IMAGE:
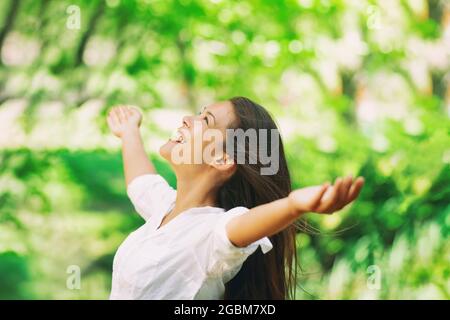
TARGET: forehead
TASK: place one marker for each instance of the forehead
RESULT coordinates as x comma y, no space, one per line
223,112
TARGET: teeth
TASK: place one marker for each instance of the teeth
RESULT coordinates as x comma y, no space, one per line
177,137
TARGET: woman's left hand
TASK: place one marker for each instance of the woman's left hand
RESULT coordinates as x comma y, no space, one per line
326,198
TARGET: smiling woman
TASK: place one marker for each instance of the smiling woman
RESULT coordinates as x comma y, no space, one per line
228,230
358,87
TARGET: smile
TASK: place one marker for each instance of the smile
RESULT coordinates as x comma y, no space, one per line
177,137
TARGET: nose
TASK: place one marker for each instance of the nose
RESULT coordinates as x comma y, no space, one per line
187,121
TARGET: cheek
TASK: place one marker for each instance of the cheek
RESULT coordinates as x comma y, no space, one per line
213,148
202,146
196,141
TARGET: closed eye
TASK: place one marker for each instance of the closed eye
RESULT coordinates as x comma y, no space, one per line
205,117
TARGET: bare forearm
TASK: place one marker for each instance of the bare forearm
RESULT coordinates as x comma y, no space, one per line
268,219
135,160
261,221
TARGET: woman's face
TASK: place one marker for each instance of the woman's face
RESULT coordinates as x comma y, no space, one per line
200,138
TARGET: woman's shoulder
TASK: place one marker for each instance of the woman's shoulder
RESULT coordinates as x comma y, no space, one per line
150,194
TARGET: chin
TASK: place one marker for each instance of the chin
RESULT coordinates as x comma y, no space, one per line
175,149
166,149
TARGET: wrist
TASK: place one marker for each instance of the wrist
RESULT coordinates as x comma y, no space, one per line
292,206
130,133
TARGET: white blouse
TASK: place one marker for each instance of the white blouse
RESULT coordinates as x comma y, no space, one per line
190,257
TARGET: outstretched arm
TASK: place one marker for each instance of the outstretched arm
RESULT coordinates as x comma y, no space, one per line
124,122
268,219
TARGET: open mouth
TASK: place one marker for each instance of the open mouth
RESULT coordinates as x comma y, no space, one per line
177,137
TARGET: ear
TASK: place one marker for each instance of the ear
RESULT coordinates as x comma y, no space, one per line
224,163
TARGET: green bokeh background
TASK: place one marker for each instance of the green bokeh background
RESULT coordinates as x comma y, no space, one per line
357,87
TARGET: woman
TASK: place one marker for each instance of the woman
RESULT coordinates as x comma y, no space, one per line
228,231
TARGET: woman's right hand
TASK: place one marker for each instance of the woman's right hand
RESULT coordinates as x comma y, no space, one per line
123,119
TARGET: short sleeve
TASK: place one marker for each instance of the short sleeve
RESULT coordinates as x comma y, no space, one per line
150,195
226,259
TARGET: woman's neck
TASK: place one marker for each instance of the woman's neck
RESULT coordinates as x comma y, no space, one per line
192,193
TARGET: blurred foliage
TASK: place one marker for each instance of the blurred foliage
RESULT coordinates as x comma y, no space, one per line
357,86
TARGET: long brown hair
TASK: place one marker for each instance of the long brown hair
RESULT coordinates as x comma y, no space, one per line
271,275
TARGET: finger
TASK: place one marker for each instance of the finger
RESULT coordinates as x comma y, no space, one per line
118,114
114,116
109,120
343,196
315,201
328,203
339,197
124,113
136,113
112,123
129,111
355,189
